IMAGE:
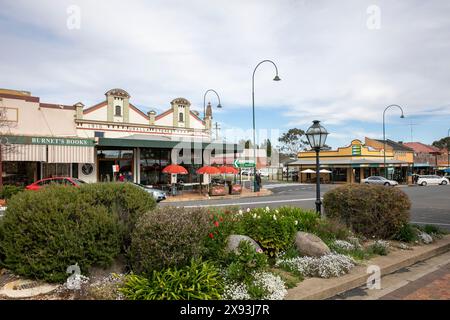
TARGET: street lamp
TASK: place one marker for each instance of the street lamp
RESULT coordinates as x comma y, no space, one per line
384,134
276,78
204,101
317,135
448,148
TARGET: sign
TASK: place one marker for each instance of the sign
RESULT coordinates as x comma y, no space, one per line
246,164
115,168
50,141
356,150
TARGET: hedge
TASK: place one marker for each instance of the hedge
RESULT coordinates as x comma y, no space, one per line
373,211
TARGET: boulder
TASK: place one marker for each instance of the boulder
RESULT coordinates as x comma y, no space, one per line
311,245
234,240
425,238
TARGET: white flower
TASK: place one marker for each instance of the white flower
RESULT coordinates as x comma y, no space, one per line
272,284
275,217
276,211
344,245
425,238
240,212
248,209
296,222
236,291
267,209
254,216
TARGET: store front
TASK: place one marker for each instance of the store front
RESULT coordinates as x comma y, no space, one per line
26,159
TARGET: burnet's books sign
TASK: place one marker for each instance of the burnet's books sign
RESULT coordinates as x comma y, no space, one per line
51,141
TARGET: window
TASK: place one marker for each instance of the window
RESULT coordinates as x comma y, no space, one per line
99,134
181,118
118,111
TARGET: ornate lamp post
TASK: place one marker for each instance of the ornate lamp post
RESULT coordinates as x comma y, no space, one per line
204,101
384,134
277,78
317,135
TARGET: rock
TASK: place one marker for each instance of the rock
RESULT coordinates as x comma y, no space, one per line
425,238
234,240
310,245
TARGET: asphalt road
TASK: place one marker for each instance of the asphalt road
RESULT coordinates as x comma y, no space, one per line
430,205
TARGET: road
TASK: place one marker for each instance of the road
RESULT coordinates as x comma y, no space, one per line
430,205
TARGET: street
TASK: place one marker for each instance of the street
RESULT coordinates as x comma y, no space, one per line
430,205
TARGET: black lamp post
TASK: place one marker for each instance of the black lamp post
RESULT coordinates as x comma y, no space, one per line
204,101
317,135
384,134
277,78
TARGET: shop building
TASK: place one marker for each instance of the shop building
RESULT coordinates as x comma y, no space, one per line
351,164
101,142
428,159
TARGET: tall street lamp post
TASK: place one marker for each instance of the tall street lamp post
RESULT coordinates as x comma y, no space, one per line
277,78
204,101
448,149
384,134
317,135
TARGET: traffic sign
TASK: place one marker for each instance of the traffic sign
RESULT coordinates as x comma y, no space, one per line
246,164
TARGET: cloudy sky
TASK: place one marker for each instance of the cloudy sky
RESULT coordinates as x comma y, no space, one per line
341,62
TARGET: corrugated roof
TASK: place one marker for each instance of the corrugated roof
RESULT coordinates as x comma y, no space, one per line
420,147
395,145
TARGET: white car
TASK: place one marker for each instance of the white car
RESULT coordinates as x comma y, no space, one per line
426,180
380,181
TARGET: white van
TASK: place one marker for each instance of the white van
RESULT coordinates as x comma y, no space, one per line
426,180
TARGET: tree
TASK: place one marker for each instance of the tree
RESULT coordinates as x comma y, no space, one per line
292,142
442,143
269,148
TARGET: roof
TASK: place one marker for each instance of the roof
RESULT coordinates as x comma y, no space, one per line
395,145
420,147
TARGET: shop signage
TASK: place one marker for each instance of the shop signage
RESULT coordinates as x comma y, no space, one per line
50,141
246,164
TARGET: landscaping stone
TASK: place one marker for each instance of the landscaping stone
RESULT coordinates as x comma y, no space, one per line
425,238
234,240
310,245
26,288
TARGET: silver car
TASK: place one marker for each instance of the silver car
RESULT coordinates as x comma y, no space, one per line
379,180
157,194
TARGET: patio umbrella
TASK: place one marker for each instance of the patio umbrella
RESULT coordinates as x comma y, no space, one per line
228,170
308,171
175,169
208,170
325,171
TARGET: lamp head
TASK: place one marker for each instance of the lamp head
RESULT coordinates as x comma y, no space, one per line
219,106
277,78
402,116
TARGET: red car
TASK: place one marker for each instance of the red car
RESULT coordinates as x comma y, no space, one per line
73,182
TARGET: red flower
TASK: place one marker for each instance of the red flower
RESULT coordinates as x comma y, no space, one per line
221,219
211,235
216,223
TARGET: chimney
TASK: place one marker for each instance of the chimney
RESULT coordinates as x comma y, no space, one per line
152,117
79,111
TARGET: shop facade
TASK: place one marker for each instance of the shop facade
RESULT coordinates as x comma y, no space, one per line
351,164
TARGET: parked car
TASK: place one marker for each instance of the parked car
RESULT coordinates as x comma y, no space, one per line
380,181
157,194
432,179
67,181
264,173
247,172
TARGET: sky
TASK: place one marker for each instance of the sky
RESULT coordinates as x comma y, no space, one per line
341,62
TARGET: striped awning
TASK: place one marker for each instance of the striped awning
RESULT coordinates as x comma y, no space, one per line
24,152
70,154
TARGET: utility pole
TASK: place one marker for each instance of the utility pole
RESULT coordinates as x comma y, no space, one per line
217,127
411,128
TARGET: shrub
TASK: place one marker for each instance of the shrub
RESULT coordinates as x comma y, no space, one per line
379,247
168,237
407,233
431,229
370,210
245,262
7,191
197,281
331,229
44,232
305,220
126,200
272,230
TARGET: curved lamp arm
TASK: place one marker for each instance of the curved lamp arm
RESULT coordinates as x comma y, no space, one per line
384,133
204,100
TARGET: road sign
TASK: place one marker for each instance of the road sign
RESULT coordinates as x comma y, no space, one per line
245,164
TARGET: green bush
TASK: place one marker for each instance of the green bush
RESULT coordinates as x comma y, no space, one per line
197,281
374,211
44,232
168,237
241,265
7,191
126,200
270,228
331,229
431,229
305,220
407,233
379,247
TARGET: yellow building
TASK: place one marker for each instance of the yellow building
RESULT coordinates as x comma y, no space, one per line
351,164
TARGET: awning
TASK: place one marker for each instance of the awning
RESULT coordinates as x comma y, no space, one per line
24,152
70,154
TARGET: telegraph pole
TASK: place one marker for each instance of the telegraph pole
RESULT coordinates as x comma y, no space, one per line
217,127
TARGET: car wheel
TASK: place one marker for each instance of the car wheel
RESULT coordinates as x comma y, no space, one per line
387,184
423,184
444,183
